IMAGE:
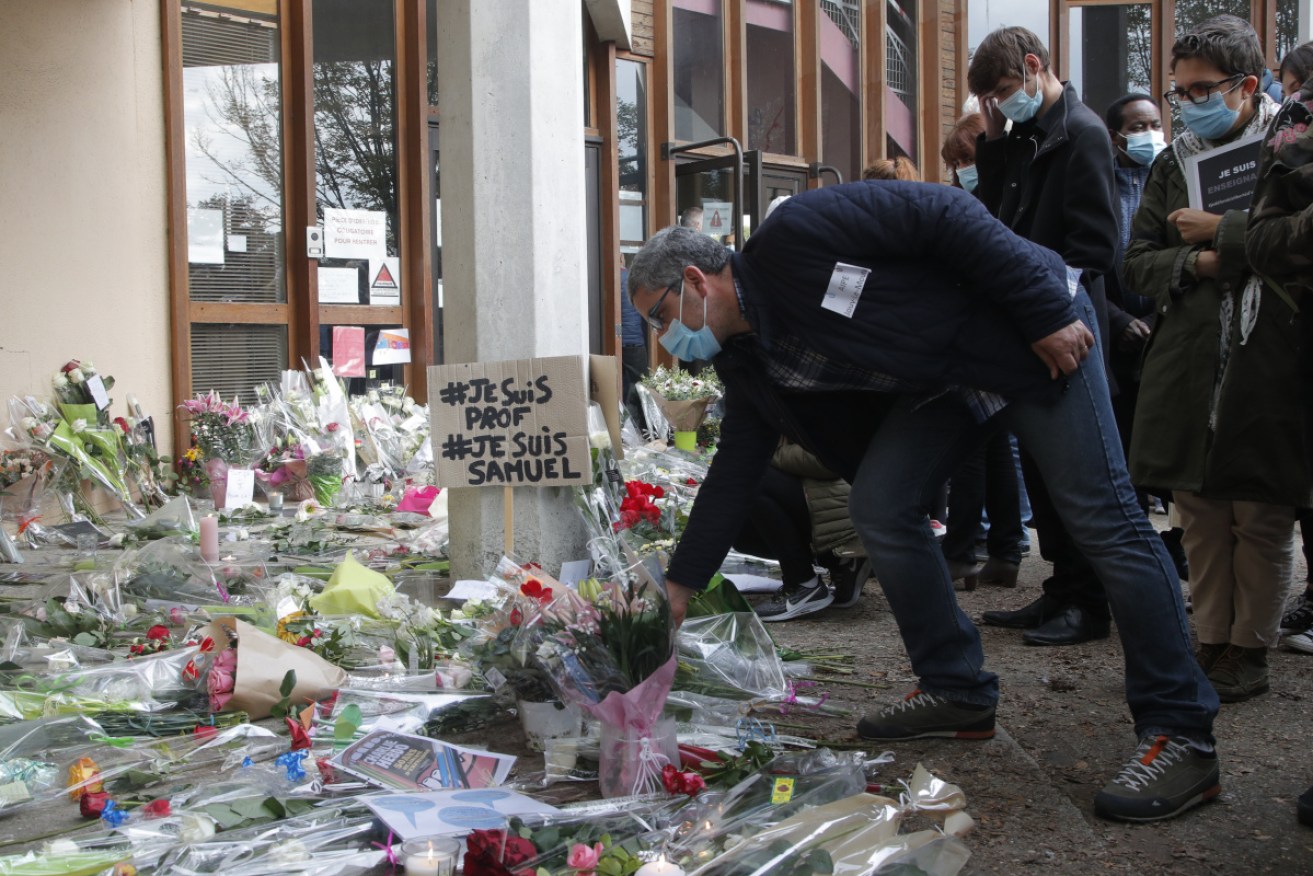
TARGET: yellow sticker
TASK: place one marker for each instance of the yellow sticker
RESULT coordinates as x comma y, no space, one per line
782,792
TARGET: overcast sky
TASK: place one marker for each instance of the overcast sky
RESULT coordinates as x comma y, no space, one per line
985,15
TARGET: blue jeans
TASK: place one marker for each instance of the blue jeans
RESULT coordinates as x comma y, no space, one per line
1074,443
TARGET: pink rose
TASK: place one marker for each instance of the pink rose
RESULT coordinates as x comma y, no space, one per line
583,858
218,702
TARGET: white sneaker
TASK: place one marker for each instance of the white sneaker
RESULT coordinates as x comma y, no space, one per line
1300,642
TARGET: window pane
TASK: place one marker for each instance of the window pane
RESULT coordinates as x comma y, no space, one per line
900,78
355,137
1287,27
1199,11
235,359
770,76
357,385
841,87
631,137
233,153
1111,52
699,69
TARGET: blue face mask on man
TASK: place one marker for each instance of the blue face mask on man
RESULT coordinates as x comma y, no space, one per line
968,177
1019,106
686,344
1144,147
1209,120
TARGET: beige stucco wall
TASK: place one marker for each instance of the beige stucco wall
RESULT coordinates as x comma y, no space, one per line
82,197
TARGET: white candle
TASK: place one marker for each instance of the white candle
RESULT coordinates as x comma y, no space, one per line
210,539
432,857
660,867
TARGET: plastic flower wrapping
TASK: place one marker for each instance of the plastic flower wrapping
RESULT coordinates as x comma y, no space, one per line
131,669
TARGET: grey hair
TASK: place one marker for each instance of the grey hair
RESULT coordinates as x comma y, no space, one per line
663,258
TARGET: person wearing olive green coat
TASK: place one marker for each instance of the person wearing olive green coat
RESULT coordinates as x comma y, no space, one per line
1217,421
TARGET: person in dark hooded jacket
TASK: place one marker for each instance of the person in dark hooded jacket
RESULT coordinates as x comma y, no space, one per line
888,327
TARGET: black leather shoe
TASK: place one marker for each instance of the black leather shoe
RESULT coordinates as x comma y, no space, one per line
1039,611
1073,626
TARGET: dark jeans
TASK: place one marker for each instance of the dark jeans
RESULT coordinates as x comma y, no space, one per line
633,365
1073,581
1074,442
987,481
779,527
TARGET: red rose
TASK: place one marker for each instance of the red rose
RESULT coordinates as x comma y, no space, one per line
659,492
517,616
205,731
518,850
157,808
326,769
534,589
158,633
72,363
303,642
93,803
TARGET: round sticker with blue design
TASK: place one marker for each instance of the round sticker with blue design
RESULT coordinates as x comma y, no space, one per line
482,795
473,817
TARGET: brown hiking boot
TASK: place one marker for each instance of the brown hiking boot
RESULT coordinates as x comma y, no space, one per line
1240,674
1208,655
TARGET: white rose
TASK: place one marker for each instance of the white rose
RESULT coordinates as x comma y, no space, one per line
408,405
87,368
60,381
195,828
129,610
116,540
290,852
76,376
79,425
29,423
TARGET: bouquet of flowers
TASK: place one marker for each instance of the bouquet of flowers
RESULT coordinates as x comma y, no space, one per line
609,647
73,388
614,845
391,434
80,450
192,476
245,669
682,400
224,434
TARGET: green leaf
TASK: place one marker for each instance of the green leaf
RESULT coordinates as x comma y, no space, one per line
289,683
86,639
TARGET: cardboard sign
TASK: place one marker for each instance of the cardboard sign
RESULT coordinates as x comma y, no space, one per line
522,423
1224,178
604,388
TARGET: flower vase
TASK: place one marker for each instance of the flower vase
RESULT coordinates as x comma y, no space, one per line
217,470
550,720
687,441
631,759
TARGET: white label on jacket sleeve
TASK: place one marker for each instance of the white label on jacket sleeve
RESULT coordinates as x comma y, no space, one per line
845,288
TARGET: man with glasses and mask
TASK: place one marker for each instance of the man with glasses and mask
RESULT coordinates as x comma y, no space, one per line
1222,420
889,328
1049,178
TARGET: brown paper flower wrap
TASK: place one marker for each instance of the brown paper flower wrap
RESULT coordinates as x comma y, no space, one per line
684,415
262,662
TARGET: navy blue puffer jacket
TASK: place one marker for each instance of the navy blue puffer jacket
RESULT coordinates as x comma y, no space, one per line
953,297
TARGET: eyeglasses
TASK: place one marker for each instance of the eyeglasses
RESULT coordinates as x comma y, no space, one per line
1199,92
653,315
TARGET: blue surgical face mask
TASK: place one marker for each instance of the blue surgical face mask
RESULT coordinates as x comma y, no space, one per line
1144,147
1020,106
1210,120
968,177
686,344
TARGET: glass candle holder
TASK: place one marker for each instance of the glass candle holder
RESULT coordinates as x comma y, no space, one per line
431,856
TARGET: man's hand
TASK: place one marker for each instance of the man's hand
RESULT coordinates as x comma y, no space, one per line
1195,226
679,596
1134,335
1065,349
995,121
1208,264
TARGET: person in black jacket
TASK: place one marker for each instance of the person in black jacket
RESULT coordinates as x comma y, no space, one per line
1050,180
888,327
